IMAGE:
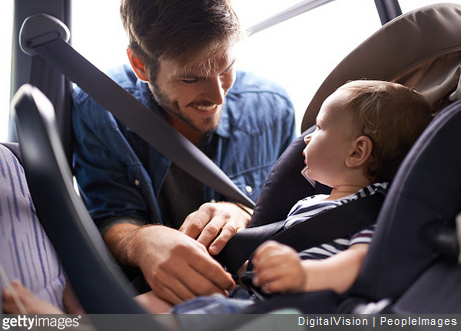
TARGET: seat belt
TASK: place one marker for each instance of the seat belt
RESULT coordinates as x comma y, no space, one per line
50,46
332,224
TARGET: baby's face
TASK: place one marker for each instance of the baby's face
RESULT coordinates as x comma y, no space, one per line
329,145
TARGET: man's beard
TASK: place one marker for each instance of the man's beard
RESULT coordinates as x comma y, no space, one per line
208,125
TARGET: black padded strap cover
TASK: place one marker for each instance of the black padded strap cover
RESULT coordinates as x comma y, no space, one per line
325,227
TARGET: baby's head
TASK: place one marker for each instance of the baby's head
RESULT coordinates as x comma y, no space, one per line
393,116
369,124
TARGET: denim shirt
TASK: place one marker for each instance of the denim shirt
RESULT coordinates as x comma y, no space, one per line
120,175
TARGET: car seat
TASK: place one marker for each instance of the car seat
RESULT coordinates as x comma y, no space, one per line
85,258
419,49
430,64
440,64
411,266
408,259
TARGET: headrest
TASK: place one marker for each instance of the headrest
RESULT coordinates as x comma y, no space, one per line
418,49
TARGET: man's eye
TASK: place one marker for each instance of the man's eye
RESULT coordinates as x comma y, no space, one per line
190,81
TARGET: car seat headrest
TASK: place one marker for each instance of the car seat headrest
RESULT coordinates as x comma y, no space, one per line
419,49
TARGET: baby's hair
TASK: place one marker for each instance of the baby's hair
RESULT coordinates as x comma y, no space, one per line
393,116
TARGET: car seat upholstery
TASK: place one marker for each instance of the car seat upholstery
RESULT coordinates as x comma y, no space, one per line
419,49
424,198
26,254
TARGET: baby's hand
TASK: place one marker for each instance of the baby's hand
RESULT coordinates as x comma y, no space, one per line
277,268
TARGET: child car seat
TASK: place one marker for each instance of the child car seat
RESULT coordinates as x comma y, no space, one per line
403,266
423,200
418,49
430,63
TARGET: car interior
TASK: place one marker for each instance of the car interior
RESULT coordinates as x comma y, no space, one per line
412,266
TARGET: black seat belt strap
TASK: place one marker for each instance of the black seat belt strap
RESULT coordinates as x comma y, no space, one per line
333,224
323,228
130,111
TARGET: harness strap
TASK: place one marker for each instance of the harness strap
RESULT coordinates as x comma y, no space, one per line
330,225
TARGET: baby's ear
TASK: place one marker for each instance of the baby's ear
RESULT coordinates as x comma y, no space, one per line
360,152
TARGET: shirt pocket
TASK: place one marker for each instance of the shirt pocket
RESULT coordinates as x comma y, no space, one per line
251,181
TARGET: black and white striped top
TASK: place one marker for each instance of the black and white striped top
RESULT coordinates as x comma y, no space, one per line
313,205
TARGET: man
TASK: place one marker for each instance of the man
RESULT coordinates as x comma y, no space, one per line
183,68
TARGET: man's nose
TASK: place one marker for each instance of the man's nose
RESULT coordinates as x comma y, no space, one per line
215,91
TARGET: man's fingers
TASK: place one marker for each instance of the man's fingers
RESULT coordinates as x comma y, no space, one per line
226,234
211,231
195,222
192,225
164,291
212,271
192,273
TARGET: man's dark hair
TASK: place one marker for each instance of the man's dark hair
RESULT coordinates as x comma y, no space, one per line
179,30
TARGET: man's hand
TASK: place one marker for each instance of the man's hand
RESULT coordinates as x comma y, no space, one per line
176,267
213,224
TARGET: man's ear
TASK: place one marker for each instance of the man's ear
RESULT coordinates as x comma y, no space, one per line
138,65
360,152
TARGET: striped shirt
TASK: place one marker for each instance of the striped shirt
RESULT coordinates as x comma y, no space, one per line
313,205
26,253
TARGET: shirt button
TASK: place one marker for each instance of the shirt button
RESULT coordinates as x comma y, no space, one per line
248,188
136,182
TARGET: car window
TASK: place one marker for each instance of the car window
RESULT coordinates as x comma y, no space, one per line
298,53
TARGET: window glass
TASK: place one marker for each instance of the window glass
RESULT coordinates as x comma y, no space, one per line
298,53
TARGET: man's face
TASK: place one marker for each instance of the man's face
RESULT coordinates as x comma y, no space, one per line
193,98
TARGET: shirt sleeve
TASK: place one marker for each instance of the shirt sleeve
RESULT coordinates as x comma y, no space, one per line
364,236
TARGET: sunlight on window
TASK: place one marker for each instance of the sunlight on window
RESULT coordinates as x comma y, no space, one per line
298,54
